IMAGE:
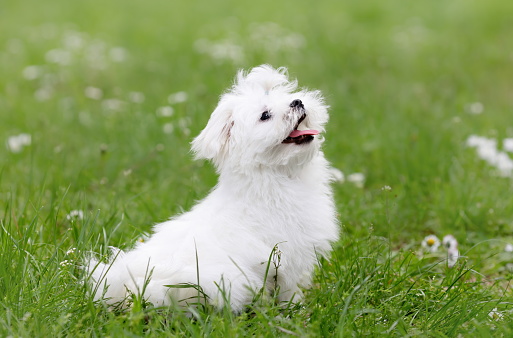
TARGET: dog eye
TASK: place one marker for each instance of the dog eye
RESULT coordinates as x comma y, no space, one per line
265,116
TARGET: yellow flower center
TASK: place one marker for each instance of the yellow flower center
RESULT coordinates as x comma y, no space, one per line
430,242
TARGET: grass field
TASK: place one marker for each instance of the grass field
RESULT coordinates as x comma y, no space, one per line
107,95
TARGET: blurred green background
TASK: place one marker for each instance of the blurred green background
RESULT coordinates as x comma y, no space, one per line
400,78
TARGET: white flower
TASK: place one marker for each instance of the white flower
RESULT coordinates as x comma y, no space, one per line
44,93
136,97
495,314
507,144
93,93
386,188
65,263
476,140
337,175
431,243
456,119
450,242
504,164
75,214
165,111
508,247
487,150
475,108
221,51
32,72
113,104
74,40
144,237
16,143
59,56
71,251
178,97
118,54
452,256
168,128
358,179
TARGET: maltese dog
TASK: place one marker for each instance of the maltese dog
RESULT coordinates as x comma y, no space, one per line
261,229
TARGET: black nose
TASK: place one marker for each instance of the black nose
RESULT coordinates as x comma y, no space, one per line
296,104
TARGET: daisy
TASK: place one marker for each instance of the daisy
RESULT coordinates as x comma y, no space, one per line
178,97
431,243
495,314
75,214
16,143
358,179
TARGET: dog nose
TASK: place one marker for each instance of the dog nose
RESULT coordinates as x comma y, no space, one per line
296,104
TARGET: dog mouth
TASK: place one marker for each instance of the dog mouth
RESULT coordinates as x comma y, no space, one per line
300,136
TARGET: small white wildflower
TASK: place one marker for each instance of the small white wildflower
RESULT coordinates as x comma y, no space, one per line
44,94
476,140
16,143
65,263
475,108
386,188
178,97
495,314
184,122
93,93
118,54
75,214
165,111
456,119
59,56
358,179
449,241
168,128
143,238
71,251
136,97
127,172
113,104
32,72
487,150
26,316
337,175
507,144
221,51
452,256
504,164
74,40
508,247
431,243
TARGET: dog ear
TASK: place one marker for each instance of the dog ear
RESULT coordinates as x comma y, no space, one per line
212,142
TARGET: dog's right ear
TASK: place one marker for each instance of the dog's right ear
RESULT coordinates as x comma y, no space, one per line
212,142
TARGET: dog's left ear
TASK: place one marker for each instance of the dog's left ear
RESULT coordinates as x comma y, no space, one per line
212,142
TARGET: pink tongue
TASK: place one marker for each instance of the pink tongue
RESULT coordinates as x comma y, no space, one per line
296,133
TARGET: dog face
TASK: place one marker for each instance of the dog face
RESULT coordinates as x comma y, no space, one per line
263,122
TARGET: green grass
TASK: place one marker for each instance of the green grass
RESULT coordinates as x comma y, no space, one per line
399,78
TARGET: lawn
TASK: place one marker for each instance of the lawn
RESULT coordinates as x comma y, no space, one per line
100,100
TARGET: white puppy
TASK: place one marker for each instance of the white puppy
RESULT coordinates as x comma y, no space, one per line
262,226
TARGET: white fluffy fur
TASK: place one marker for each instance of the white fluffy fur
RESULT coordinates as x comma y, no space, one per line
269,193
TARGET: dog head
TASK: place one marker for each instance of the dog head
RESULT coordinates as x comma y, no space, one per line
262,122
